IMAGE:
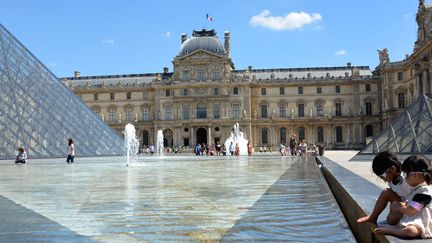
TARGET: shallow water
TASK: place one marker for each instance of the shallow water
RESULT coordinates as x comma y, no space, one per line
181,198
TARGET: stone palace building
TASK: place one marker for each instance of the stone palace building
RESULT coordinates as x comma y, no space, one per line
201,99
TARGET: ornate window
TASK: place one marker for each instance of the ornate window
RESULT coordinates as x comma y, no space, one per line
400,76
216,91
128,112
264,111
320,134
167,112
300,90
185,111
337,89
216,111
216,73
235,91
128,95
167,93
112,96
338,108
301,133
320,109
112,116
263,91
95,97
368,108
401,100
282,110
300,108
264,135
201,74
146,113
368,88
369,131
185,92
319,90
281,90
201,111
185,74
236,110
283,135
338,134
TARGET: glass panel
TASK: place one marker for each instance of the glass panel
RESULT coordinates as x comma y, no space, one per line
40,113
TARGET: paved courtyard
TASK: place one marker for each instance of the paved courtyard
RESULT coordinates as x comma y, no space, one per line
178,198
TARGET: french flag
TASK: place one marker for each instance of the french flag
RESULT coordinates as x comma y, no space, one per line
209,18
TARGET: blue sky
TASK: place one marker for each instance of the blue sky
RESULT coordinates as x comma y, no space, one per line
101,37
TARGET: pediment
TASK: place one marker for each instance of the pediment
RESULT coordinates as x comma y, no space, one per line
201,55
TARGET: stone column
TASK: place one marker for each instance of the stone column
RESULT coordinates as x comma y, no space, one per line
209,141
192,142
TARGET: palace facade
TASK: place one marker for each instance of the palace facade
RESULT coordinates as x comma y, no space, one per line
204,96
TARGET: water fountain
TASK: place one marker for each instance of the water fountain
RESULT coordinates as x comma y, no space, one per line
131,144
237,137
159,143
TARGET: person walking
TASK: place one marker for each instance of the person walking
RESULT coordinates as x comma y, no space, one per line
71,151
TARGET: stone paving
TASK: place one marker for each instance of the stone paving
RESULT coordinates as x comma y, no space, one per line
184,198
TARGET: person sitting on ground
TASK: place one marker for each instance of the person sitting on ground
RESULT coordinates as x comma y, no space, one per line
22,156
387,167
417,211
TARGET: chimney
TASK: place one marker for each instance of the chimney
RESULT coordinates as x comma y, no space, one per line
165,70
227,42
250,68
348,64
77,74
183,37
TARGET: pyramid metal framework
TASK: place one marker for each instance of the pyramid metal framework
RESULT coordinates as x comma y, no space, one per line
39,112
410,133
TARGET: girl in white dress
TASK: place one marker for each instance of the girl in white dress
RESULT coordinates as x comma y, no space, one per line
388,168
417,210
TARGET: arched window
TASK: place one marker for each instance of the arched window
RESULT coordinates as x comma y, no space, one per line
201,111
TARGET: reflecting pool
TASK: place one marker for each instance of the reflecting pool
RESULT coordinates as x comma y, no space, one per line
180,198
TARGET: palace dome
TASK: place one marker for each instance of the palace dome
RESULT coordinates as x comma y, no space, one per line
205,41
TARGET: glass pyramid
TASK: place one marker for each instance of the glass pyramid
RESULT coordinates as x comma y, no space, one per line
39,112
411,133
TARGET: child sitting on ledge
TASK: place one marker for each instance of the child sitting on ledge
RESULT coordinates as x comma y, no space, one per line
387,167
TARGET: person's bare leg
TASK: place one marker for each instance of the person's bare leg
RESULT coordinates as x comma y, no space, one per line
408,231
394,216
386,196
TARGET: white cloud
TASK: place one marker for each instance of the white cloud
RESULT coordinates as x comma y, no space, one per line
341,53
167,34
108,40
51,64
291,21
407,16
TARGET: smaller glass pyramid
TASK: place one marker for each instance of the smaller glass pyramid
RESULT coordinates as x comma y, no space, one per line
411,133
39,112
